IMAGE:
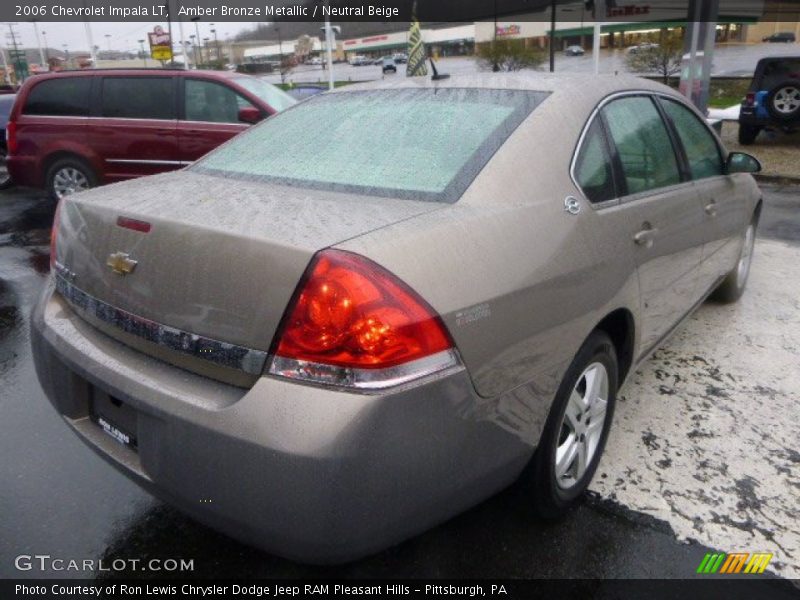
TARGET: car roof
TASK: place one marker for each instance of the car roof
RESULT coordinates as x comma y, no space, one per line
142,71
588,87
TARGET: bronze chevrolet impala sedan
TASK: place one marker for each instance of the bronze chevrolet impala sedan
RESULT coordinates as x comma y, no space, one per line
389,302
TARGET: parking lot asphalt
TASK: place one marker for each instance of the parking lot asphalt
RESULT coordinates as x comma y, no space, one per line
730,60
702,456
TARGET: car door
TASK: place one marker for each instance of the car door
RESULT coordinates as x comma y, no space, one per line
664,221
724,203
135,133
209,118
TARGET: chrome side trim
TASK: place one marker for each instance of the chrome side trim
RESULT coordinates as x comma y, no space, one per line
179,163
244,359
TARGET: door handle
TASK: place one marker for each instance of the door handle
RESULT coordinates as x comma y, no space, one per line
711,208
646,236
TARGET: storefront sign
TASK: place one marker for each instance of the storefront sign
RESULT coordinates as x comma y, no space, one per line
508,30
160,44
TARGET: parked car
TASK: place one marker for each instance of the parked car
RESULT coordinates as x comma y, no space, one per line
773,98
303,92
784,36
73,130
388,65
360,61
643,47
400,58
265,339
574,51
6,102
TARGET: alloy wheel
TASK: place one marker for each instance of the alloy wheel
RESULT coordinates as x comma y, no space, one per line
69,180
582,425
4,175
787,100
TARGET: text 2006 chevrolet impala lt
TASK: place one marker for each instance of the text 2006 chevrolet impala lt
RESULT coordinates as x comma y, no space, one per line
384,305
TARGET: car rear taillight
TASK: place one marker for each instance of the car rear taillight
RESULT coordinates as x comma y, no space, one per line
354,324
54,235
750,99
11,137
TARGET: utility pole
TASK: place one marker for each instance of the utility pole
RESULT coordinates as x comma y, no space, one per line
7,75
19,70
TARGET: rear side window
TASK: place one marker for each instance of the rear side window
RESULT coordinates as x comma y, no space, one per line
212,102
701,149
593,170
779,70
139,98
67,97
643,144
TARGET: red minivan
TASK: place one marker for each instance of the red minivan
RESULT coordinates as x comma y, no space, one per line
73,130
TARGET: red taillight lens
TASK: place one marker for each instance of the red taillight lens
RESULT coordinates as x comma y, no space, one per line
11,137
353,315
54,234
750,99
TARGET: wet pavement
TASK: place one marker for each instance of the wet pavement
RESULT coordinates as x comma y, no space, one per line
649,515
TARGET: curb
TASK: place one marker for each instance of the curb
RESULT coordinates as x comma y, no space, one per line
777,179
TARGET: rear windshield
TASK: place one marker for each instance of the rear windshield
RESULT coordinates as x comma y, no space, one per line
420,144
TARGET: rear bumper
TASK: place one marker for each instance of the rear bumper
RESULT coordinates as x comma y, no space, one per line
311,474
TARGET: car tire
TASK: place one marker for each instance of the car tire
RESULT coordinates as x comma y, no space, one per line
67,176
748,134
732,287
573,426
783,101
5,176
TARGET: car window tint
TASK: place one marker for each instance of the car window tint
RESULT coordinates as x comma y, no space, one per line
212,102
701,149
421,144
779,70
593,167
139,97
67,97
643,144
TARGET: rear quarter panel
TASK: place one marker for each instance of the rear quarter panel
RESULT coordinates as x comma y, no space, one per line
519,282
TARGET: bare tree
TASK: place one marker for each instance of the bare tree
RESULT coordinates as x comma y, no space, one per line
661,54
509,55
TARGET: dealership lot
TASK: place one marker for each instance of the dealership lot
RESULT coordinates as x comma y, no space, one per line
730,60
702,455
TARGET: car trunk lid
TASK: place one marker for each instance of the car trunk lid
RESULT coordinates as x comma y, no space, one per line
212,262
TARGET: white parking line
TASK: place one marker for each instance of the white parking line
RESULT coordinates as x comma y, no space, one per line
706,433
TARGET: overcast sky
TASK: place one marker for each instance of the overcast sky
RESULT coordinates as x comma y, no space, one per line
124,36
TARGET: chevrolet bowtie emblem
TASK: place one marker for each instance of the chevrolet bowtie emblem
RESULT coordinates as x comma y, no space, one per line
121,263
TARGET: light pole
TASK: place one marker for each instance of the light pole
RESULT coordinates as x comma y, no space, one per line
143,54
194,49
46,49
108,44
216,43
197,33
39,43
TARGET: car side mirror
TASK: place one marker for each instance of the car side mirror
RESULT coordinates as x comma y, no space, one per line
249,114
740,162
